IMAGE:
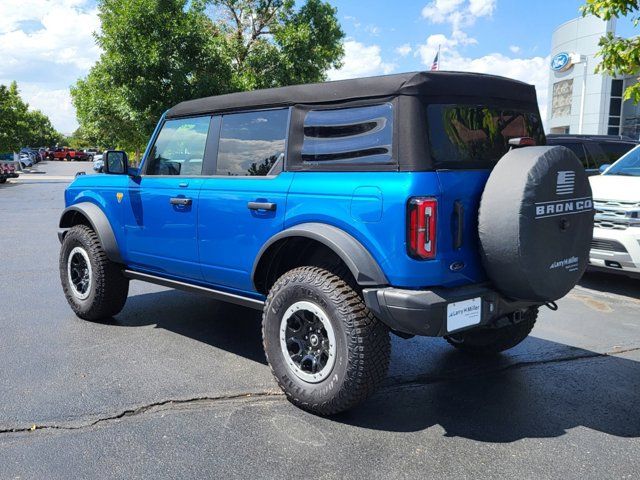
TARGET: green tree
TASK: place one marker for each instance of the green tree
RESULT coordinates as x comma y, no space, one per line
620,56
155,54
272,44
21,127
159,53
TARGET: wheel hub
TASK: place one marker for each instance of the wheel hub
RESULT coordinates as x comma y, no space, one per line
79,273
307,341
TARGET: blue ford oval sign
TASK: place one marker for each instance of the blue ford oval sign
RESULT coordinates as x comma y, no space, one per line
561,62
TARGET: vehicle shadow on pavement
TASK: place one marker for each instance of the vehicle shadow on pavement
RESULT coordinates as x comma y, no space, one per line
539,389
611,283
223,325
505,399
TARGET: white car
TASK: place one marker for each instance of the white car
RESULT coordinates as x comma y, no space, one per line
98,164
616,235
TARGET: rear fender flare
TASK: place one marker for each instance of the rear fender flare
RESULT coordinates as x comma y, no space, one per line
100,224
363,266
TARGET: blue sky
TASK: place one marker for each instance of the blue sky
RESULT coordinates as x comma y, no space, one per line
47,44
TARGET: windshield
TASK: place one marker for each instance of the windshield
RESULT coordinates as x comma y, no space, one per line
477,136
628,165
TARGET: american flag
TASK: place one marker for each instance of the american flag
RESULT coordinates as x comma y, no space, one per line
435,65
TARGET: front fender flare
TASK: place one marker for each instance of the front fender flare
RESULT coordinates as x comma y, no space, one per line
100,224
356,257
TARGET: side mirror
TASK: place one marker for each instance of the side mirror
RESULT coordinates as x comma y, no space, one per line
604,167
116,162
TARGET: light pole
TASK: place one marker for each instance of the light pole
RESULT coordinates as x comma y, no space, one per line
575,58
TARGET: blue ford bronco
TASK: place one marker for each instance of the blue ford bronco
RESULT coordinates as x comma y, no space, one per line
413,204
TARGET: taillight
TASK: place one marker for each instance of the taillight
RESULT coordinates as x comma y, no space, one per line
422,227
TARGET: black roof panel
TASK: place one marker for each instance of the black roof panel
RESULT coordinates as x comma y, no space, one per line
430,84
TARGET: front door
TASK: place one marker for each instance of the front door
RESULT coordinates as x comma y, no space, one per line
161,211
244,203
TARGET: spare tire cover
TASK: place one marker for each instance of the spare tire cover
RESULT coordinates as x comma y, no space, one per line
536,223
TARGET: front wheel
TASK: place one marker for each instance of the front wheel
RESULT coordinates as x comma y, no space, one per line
325,348
93,285
491,341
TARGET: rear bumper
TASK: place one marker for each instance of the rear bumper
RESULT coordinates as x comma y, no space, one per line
425,312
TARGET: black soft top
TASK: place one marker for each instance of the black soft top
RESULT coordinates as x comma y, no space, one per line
427,84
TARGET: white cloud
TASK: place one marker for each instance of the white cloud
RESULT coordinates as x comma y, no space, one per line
439,11
403,50
482,8
45,45
458,13
515,49
361,60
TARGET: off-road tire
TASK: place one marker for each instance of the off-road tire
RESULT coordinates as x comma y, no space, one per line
491,341
108,287
362,342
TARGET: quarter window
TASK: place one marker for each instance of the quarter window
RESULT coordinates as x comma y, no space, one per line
179,148
252,143
358,135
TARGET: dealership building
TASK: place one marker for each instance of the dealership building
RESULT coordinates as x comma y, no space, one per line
581,101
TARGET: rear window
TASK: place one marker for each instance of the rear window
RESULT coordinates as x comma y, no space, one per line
477,136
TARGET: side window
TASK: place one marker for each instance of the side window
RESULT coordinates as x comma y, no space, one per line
252,143
347,136
179,148
579,151
614,150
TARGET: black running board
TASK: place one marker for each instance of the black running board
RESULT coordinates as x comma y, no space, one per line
210,292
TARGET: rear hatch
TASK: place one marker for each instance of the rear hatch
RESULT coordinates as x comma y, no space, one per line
466,140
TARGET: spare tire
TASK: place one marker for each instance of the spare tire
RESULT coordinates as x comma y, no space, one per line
536,223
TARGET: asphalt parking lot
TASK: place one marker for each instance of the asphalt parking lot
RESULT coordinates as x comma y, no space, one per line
177,385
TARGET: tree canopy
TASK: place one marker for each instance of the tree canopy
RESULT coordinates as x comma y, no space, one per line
620,56
158,53
21,127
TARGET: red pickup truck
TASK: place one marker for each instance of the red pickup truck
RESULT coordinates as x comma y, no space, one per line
68,154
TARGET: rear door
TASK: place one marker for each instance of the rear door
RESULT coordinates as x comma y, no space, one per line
243,200
465,142
161,206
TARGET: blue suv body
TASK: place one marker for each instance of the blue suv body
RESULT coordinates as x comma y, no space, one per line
366,191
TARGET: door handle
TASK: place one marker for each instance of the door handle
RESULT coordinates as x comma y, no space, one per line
262,206
182,201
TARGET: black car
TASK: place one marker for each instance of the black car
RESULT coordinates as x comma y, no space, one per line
594,151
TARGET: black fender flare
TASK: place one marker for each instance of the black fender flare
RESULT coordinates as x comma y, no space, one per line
356,257
100,224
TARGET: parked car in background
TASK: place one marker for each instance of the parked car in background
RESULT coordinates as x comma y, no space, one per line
98,164
593,151
34,155
26,161
68,154
7,167
616,236
91,153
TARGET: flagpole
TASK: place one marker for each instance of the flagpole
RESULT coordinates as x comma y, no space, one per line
439,58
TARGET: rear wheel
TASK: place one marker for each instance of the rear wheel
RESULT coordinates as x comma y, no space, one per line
326,349
67,158
491,341
93,285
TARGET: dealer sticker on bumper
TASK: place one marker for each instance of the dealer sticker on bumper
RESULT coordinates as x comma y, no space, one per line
463,314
